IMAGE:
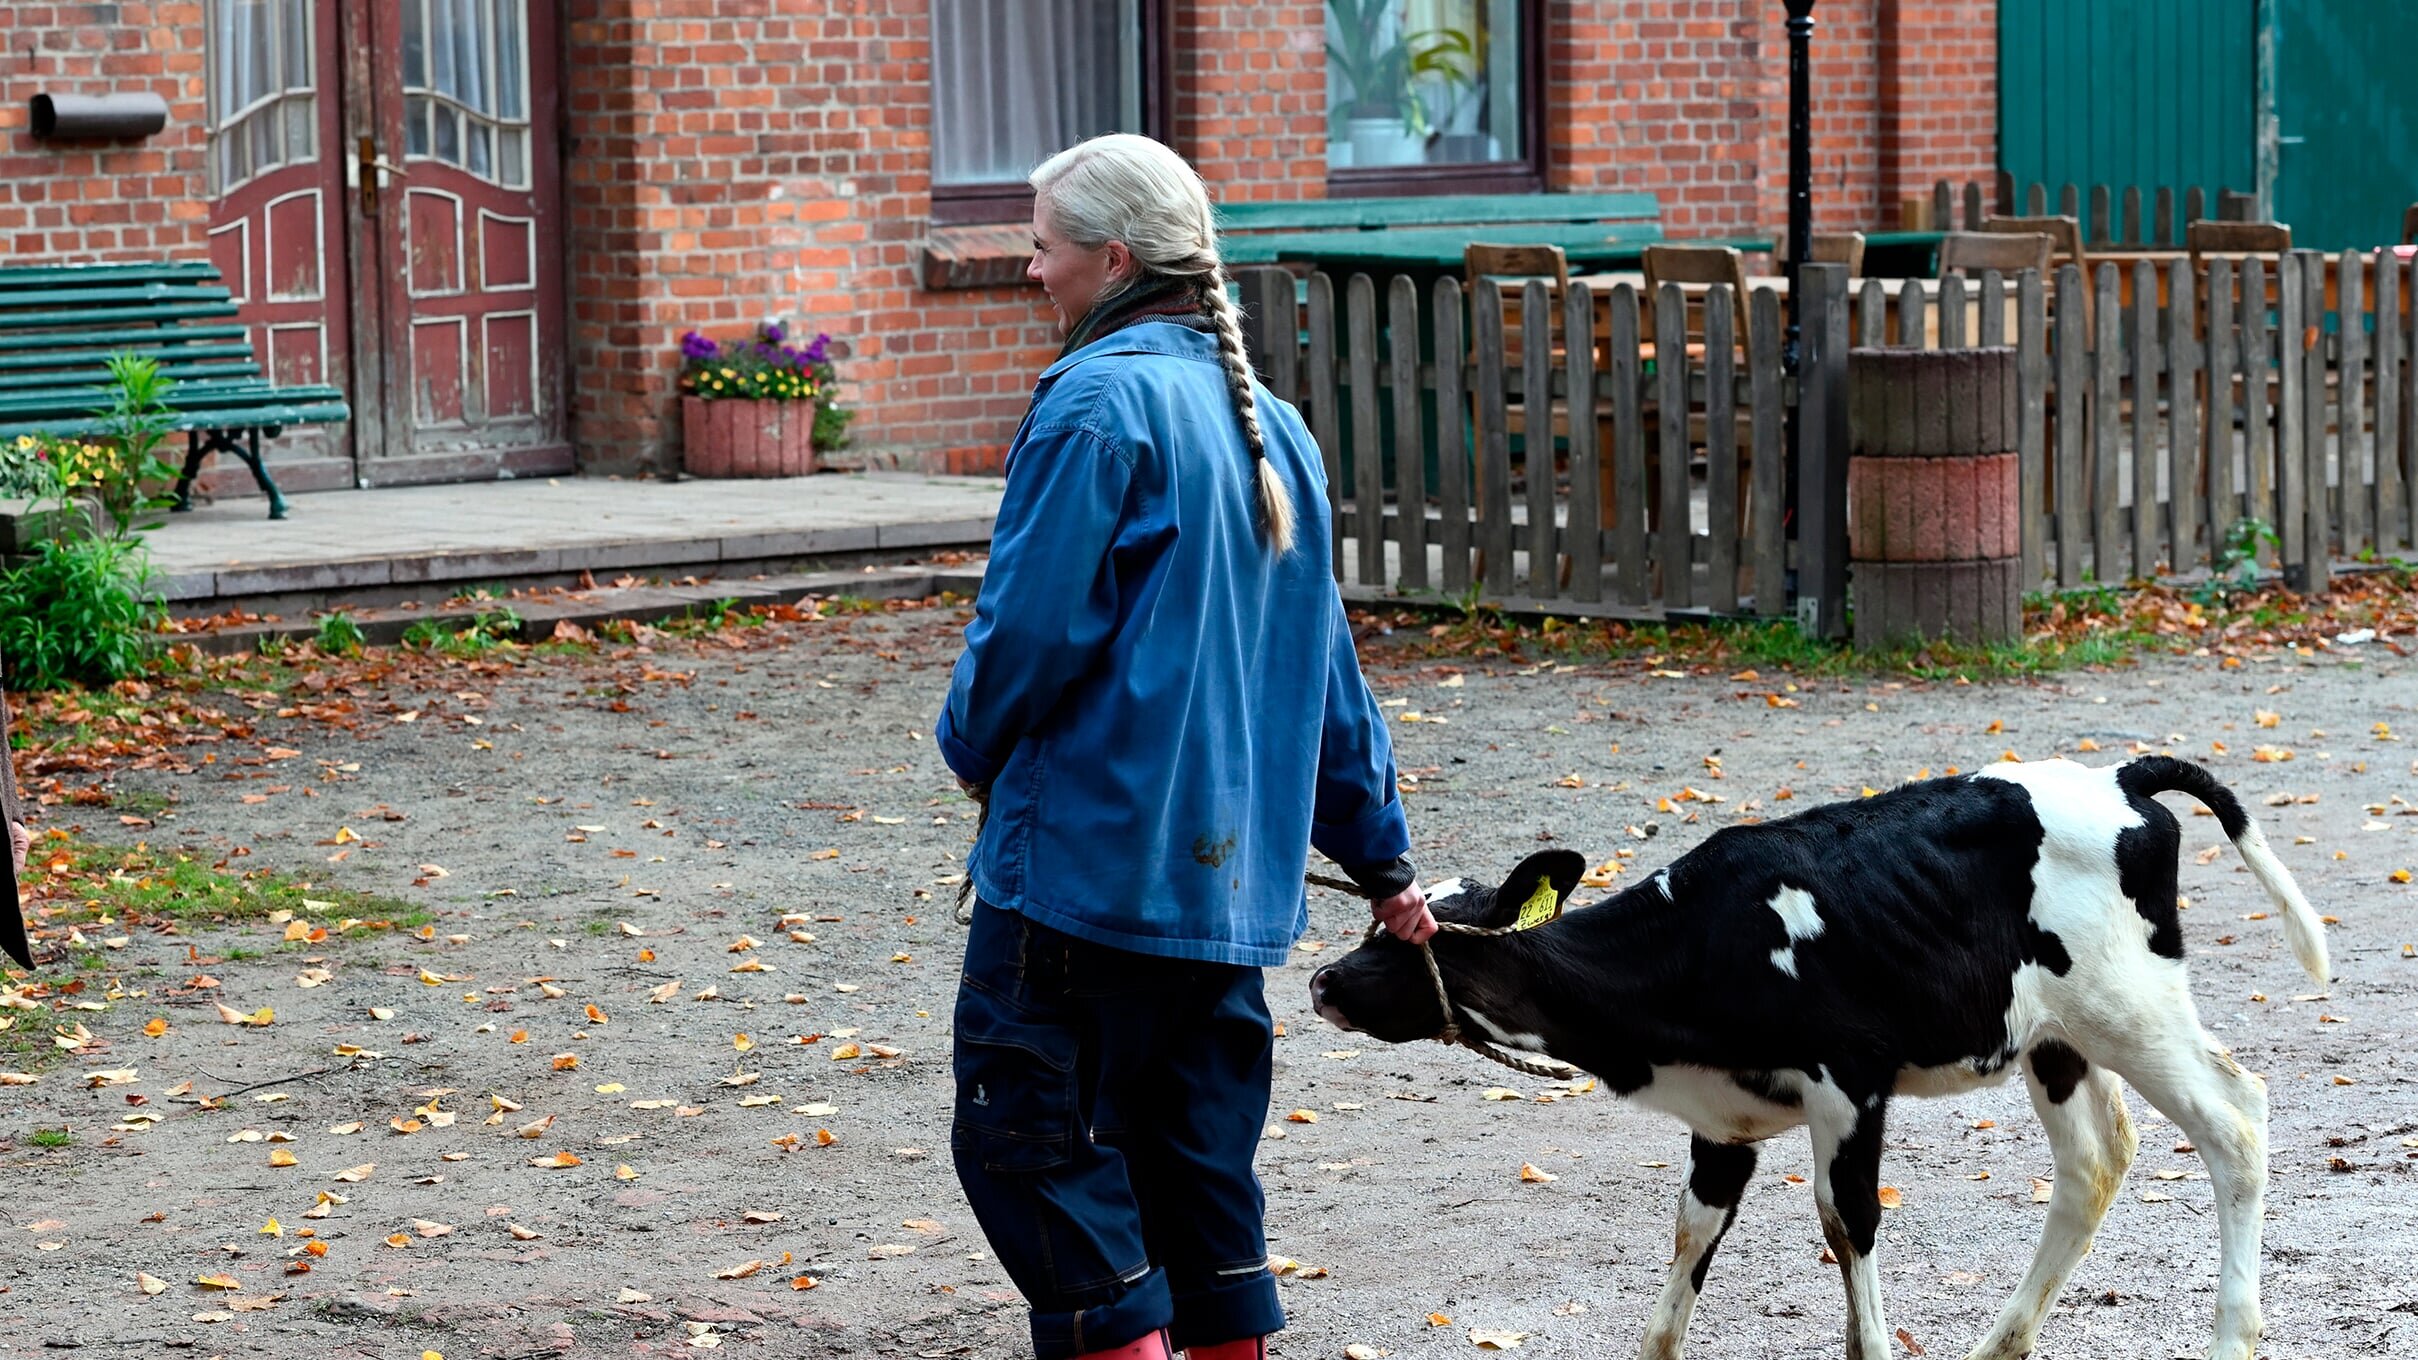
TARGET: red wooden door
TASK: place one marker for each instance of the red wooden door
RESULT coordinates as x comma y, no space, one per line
277,213
470,295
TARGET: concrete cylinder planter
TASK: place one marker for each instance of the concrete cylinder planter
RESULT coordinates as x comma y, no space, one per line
1934,505
741,437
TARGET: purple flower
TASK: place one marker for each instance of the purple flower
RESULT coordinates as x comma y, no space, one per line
816,351
773,334
695,346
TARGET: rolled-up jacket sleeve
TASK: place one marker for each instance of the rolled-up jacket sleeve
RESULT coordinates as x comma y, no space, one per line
1357,818
1048,604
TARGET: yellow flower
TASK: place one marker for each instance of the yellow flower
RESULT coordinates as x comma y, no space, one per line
25,442
728,374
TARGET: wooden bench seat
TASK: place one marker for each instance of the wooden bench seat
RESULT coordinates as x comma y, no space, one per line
59,325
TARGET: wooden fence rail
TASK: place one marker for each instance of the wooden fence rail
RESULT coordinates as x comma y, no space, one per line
1608,453
2110,215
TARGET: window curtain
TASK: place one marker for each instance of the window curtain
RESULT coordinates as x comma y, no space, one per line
1014,81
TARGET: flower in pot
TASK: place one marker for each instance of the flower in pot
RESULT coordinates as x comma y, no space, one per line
759,407
1385,118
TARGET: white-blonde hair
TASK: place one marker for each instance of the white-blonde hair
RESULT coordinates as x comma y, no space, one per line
1122,187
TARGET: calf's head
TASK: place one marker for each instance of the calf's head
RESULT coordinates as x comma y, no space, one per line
1383,989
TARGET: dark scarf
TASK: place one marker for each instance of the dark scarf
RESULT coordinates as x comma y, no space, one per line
1155,297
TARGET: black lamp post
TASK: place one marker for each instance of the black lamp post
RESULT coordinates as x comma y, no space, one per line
1800,166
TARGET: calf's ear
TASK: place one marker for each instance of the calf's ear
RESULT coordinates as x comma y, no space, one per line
1537,890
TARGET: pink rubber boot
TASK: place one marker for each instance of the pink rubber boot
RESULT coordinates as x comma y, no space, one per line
1151,1347
1247,1348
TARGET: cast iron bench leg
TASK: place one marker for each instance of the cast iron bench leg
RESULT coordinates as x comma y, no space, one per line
200,444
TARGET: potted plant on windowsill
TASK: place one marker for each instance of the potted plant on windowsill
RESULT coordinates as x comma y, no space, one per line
1385,120
759,407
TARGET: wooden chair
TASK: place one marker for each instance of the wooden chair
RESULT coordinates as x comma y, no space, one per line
1699,265
2064,233
1834,247
2234,238
1971,252
1484,265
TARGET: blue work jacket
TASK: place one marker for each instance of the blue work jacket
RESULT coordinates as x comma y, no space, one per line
1169,714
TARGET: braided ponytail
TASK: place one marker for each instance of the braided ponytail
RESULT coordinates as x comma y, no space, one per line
1275,502
1127,188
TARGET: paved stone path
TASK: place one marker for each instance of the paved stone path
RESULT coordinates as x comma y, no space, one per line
415,535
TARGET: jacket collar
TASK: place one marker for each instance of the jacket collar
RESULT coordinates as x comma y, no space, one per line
1143,337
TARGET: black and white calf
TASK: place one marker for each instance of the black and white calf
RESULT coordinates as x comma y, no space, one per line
1921,942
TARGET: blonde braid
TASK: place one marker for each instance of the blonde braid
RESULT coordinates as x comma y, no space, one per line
1275,502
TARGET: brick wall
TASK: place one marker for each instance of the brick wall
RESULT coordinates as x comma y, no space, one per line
101,200
731,163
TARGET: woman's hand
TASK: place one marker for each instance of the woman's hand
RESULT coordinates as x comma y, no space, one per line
19,841
1405,915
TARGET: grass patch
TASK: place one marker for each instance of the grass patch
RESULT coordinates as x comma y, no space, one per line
78,881
51,1138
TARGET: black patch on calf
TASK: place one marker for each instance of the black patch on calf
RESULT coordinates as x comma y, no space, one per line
2059,1068
2044,948
1763,1087
1855,1182
1717,1177
2164,774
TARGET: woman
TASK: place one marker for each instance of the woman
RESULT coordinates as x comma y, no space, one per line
1160,703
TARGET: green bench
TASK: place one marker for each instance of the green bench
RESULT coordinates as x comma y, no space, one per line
1377,229
60,323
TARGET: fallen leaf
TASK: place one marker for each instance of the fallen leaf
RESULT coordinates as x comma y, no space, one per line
149,1284
558,1162
1890,1198
2041,1190
1534,1175
355,1174
740,1271
1489,1339
889,1251
523,1234
427,1228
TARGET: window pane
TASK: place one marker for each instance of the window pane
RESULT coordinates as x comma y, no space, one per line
440,47
511,31
512,151
261,130
449,136
415,46
1016,80
477,162
296,40
299,141
415,126
1424,82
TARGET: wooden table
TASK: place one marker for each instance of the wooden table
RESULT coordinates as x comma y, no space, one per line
1602,284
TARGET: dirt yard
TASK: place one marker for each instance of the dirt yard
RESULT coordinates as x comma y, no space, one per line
678,1039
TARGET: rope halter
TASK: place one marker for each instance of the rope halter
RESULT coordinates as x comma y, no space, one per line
1451,1033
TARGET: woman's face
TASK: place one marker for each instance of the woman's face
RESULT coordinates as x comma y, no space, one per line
1074,276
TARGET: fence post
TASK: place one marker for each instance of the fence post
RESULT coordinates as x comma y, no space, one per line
1272,325
1821,413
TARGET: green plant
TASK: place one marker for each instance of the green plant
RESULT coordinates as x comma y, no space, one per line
29,467
767,367
2236,569
339,635
51,1138
121,471
79,611
1383,72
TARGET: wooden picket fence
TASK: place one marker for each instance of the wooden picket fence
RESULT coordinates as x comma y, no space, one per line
1594,460
2111,216
2224,392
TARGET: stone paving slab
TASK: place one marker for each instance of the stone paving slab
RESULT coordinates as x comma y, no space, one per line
486,531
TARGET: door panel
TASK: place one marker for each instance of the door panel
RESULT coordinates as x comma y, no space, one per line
2129,93
276,225
2348,160
473,314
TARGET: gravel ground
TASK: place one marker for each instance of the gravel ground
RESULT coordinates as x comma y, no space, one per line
679,801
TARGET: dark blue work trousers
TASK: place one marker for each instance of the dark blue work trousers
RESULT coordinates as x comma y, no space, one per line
1109,1105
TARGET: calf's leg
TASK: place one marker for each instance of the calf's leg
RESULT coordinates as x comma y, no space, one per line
2181,1069
1717,1176
2082,1106
1846,1131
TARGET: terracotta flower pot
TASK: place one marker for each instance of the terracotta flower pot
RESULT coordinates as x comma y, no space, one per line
736,437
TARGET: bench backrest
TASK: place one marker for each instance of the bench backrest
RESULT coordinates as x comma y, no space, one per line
1374,214
60,323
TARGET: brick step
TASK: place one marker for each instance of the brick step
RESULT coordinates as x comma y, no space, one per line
385,625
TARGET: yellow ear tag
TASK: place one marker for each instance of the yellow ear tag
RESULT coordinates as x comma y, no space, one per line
1542,905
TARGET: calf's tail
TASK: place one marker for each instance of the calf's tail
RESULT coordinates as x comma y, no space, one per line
2164,774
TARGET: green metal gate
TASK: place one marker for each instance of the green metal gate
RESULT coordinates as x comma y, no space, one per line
2124,93
2346,145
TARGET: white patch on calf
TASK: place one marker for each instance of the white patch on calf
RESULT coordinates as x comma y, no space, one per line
1710,1101
1662,880
1534,1043
1445,891
1795,908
